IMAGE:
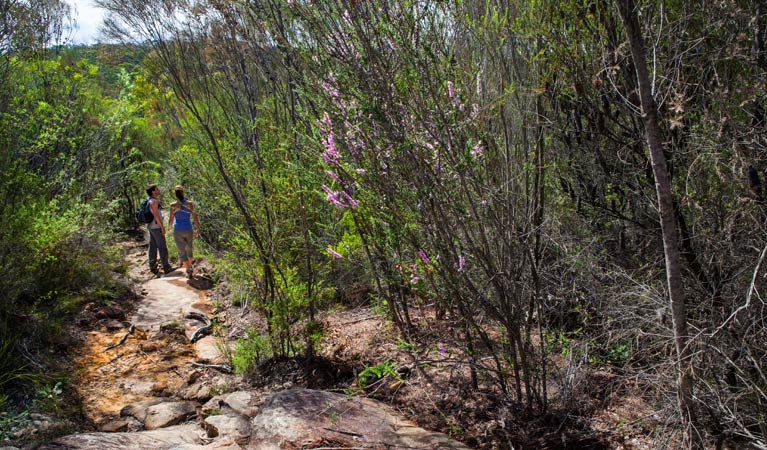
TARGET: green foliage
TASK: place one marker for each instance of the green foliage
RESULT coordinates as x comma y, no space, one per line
251,350
63,182
314,332
11,421
482,157
12,369
558,343
619,352
218,389
371,374
48,397
405,345
212,411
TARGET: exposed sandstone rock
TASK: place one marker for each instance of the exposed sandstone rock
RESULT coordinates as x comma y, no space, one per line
224,444
164,439
138,409
298,418
243,402
170,413
301,418
121,425
235,427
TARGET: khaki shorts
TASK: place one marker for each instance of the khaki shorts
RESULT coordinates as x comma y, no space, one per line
184,244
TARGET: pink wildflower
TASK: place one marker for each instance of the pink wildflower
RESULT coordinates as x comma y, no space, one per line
329,160
334,253
424,257
333,176
325,125
461,263
350,200
450,90
333,196
331,90
476,152
330,147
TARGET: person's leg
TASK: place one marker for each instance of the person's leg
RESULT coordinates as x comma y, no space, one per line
180,237
190,249
184,245
152,253
190,253
161,248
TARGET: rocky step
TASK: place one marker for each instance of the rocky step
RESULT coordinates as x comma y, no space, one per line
296,418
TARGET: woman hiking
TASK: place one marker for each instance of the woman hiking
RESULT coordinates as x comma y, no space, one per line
182,215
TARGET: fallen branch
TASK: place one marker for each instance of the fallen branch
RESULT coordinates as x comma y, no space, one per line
360,319
123,339
203,330
347,433
198,316
200,333
222,367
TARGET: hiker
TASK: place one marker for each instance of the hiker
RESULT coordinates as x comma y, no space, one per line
157,234
182,214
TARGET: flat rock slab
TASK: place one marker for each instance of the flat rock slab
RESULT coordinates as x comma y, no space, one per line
234,427
243,403
303,418
164,439
207,349
168,300
169,413
138,410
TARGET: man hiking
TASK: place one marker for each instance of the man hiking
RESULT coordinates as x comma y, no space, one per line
157,234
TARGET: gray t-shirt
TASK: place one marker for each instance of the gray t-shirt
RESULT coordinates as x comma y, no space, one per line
154,223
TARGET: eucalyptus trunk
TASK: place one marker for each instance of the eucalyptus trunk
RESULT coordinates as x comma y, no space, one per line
627,10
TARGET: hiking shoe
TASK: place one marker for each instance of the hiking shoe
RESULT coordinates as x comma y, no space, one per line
168,269
189,272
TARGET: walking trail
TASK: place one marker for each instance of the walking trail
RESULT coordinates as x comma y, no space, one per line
157,378
156,358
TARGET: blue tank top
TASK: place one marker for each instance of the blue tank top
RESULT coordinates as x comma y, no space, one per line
182,220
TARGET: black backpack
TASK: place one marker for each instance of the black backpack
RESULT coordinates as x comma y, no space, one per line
144,213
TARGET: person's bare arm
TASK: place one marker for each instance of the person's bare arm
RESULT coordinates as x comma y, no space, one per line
154,206
172,214
196,221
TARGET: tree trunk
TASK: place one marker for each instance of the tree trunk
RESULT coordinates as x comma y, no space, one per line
693,438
